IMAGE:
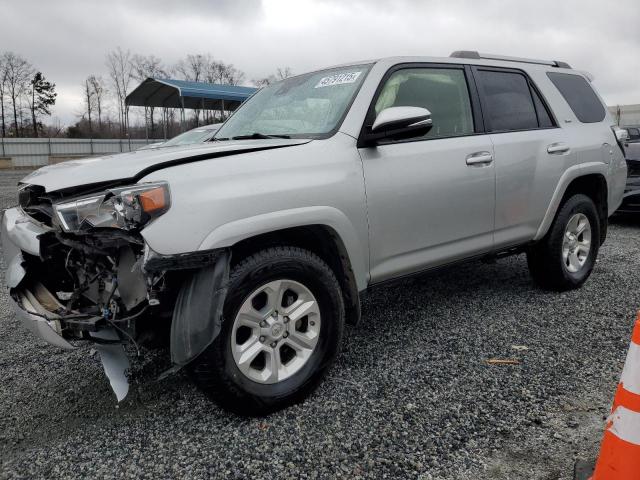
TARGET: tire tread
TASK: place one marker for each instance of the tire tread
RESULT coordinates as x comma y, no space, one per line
208,370
545,264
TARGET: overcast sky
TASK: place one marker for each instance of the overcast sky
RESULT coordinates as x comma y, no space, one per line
67,39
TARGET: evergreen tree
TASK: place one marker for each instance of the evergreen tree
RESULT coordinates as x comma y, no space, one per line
42,98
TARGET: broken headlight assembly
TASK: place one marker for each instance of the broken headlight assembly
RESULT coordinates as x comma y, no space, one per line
126,208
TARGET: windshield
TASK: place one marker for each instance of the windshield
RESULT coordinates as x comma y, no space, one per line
197,135
310,105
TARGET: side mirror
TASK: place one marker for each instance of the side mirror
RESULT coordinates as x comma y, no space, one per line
399,123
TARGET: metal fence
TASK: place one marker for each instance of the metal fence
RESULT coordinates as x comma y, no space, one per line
626,114
36,152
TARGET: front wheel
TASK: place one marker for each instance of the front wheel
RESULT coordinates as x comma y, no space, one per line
282,328
564,259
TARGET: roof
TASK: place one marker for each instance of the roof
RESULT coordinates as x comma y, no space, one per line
480,59
165,92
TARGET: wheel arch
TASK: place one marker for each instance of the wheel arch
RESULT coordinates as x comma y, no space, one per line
324,230
322,240
588,179
594,186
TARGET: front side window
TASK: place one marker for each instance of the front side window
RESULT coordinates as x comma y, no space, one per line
442,91
305,106
508,101
584,102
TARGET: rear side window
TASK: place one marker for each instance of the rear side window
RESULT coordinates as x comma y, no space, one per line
634,133
508,104
579,95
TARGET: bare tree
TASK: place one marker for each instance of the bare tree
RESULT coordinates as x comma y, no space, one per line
193,67
284,72
281,74
18,74
121,73
223,73
145,66
89,101
148,66
98,91
3,82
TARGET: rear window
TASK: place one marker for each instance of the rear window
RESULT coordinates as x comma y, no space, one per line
579,95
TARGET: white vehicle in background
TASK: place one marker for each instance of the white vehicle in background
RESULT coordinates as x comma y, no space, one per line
150,146
200,134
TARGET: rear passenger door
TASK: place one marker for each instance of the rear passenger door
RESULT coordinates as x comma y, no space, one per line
530,151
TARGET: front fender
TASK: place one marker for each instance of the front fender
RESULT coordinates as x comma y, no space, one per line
567,177
231,233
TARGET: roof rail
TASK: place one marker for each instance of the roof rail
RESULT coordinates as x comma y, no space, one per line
503,58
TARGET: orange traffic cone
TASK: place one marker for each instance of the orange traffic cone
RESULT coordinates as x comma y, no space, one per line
620,450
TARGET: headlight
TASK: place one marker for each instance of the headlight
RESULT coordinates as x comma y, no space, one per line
126,208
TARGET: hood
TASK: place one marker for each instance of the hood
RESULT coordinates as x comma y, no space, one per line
135,165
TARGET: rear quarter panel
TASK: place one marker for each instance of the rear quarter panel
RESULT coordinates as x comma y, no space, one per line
593,147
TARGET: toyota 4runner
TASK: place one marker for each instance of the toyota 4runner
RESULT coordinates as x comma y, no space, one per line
251,251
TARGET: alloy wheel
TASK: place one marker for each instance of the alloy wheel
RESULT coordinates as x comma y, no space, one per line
576,243
275,331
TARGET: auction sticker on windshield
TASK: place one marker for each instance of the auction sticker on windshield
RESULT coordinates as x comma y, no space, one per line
338,79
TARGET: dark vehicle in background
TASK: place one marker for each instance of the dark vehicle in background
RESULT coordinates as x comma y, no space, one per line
633,134
631,199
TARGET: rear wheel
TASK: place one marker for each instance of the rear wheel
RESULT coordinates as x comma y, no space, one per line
282,328
564,259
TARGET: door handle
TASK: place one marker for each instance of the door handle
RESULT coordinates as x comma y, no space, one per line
558,148
479,158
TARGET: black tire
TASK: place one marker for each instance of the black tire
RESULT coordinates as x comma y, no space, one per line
545,258
215,370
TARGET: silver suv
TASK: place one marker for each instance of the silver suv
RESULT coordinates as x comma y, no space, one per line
249,253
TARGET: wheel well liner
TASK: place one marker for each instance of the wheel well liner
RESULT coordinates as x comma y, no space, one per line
322,240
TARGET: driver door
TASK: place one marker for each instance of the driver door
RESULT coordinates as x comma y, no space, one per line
431,200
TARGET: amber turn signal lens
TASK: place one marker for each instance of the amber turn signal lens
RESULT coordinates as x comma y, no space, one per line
153,200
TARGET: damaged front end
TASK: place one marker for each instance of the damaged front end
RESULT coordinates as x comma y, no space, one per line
79,270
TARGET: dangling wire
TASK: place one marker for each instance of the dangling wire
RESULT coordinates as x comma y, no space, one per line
111,322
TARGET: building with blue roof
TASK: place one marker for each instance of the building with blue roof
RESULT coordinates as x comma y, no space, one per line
168,93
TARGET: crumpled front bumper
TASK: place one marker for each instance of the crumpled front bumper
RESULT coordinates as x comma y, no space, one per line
41,327
19,234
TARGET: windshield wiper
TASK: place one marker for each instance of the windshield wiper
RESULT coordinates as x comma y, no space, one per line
258,135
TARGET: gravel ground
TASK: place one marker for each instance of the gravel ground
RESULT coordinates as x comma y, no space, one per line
411,395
